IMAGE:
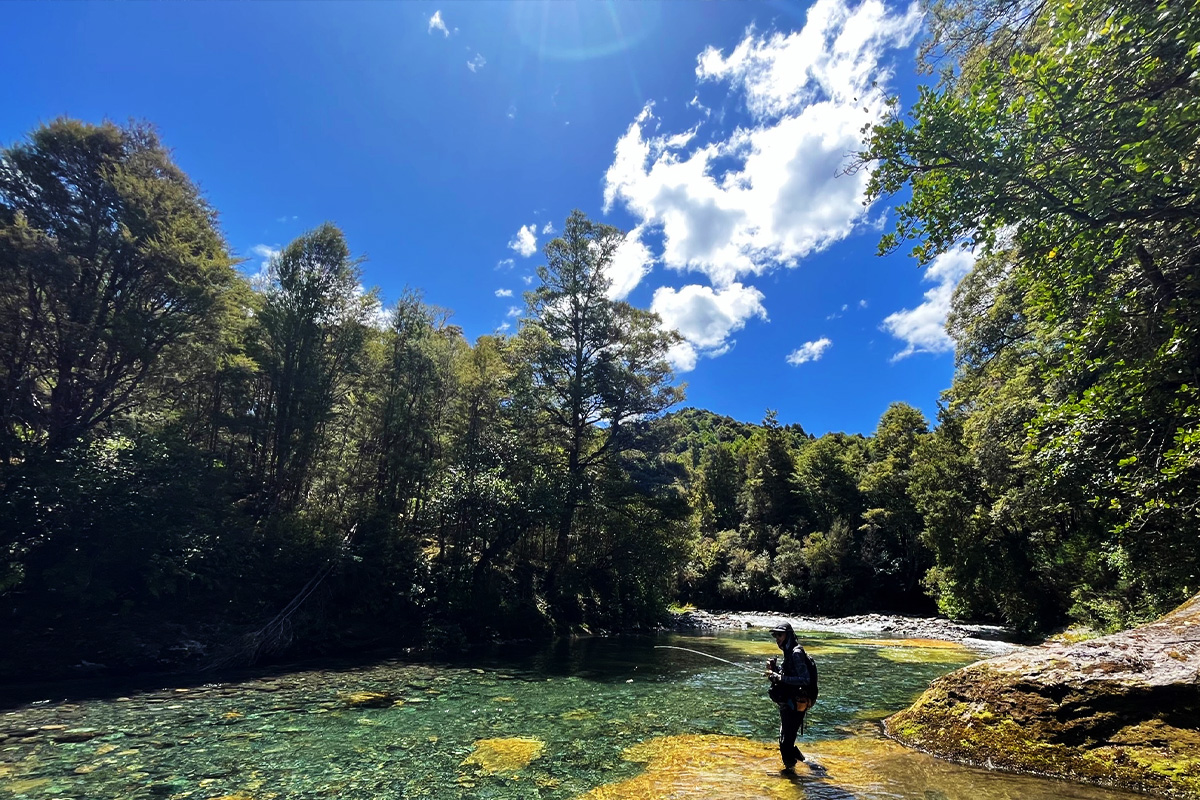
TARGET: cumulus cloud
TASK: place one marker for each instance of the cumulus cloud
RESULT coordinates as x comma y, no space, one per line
923,329
436,24
773,192
504,293
513,311
548,229
629,265
809,351
477,63
705,318
266,251
525,241
528,279
504,263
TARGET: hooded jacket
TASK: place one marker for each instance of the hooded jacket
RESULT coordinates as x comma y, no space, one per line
792,666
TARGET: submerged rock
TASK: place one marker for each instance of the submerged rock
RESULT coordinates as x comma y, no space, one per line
367,699
1121,710
505,755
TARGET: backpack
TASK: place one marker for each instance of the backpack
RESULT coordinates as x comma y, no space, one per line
782,692
812,675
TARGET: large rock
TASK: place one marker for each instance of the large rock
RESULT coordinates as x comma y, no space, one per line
1123,710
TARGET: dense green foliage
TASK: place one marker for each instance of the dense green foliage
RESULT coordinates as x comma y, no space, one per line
1062,145
179,443
784,520
182,444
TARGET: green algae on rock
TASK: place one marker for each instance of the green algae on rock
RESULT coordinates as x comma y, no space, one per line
1119,710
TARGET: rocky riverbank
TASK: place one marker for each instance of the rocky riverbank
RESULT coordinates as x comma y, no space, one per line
1122,710
986,639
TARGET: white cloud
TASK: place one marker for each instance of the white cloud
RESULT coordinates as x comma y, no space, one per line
267,253
504,293
705,318
527,278
809,351
548,229
862,303
769,194
503,326
525,241
504,263
476,63
436,24
923,329
513,311
629,265
512,112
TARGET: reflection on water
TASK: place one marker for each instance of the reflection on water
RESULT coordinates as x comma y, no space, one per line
603,718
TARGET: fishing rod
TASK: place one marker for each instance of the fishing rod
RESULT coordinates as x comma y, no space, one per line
708,655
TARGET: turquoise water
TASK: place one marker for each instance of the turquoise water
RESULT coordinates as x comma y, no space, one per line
406,730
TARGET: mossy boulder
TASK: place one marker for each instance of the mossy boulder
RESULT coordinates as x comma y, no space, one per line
1122,710
367,699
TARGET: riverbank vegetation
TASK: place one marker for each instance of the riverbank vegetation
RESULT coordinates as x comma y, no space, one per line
182,446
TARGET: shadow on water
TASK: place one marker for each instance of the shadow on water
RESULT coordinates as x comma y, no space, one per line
597,719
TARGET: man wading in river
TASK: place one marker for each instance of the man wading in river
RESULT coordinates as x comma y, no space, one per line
790,683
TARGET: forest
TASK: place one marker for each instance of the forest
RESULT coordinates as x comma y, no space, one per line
288,458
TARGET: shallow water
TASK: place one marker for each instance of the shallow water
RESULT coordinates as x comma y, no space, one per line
597,718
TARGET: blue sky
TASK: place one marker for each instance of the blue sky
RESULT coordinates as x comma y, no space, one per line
449,141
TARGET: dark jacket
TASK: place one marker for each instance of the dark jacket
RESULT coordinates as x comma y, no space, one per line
793,666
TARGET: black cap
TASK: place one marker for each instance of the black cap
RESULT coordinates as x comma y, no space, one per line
782,627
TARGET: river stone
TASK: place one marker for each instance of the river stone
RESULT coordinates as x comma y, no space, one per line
367,699
1121,710
76,735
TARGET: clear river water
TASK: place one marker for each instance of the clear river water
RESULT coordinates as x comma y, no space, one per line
592,718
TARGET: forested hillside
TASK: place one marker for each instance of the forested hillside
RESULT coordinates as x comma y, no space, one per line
182,444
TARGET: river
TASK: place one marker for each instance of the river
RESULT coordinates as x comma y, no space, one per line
592,718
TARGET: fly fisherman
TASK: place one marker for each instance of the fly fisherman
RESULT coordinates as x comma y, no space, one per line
790,683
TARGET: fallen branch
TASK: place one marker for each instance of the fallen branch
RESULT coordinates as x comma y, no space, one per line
277,634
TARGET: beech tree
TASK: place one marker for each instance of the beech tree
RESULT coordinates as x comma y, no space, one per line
108,255
313,326
596,364
1067,139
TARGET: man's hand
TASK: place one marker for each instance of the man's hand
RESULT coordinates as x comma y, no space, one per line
774,676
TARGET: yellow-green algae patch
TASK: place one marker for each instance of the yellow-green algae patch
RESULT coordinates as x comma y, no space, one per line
926,655
828,650
766,647
731,768
709,766
751,647
928,644
367,699
23,786
505,755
